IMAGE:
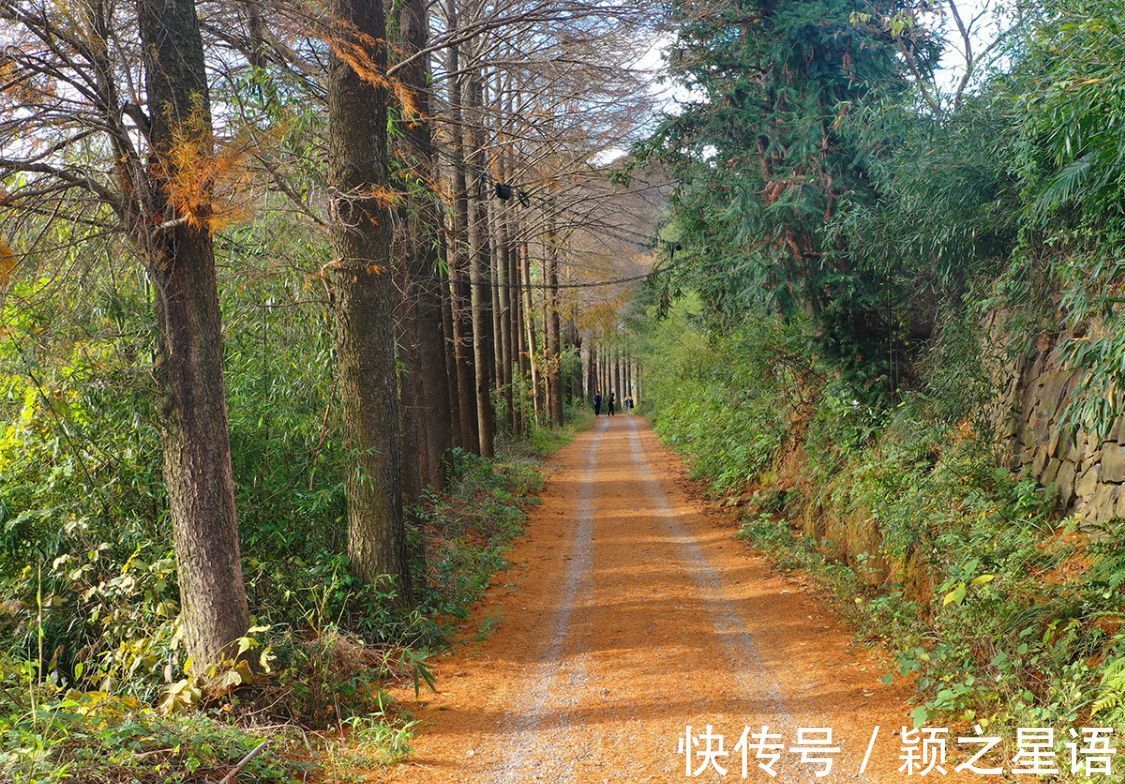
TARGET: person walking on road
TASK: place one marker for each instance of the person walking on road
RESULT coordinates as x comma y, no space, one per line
598,403
612,400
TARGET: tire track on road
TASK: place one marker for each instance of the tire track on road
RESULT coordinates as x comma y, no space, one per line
755,681
532,743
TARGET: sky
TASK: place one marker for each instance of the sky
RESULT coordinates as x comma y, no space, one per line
984,17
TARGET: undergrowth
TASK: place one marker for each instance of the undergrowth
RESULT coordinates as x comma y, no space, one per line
1002,610
94,681
326,649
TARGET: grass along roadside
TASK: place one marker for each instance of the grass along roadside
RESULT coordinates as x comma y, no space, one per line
1001,610
1019,620
317,710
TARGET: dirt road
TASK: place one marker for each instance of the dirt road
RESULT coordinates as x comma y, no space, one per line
630,613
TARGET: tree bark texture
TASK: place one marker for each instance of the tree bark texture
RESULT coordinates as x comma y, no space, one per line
553,326
363,299
481,273
194,426
425,347
461,290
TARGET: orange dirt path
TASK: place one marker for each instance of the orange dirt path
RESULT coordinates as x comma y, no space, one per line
629,612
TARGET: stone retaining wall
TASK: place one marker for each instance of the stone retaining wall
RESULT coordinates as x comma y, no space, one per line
1089,472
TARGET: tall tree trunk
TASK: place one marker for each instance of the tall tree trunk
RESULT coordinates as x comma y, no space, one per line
624,378
554,336
450,350
425,349
597,370
503,291
481,270
591,370
503,263
194,428
519,347
545,373
494,304
619,375
529,322
461,291
412,464
604,369
514,339
364,296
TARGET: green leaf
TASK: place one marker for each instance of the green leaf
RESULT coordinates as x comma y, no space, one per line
919,716
956,596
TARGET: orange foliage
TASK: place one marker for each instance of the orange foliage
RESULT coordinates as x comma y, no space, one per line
204,183
444,190
384,196
8,263
357,49
22,88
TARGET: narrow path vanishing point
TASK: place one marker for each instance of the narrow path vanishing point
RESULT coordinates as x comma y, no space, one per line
628,613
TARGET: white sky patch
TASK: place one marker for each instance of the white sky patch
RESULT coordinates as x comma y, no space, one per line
983,19
669,94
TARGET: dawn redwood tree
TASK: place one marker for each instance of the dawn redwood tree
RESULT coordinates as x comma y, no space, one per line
179,256
553,326
363,290
425,348
151,176
460,288
481,273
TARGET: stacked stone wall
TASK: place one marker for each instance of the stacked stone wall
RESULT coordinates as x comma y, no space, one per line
1088,470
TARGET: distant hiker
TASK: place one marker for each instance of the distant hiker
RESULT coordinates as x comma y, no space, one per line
629,403
598,403
612,400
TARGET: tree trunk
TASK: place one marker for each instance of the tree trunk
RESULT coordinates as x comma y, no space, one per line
503,292
607,382
425,349
494,264
619,375
519,342
194,428
461,291
412,463
481,270
450,350
624,376
554,336
515,341
594,353
503,263
363,298
529,321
